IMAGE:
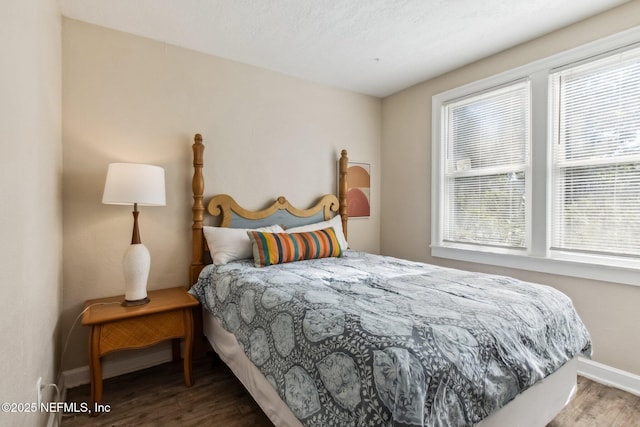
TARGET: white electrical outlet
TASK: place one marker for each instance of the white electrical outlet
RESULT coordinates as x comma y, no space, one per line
39,388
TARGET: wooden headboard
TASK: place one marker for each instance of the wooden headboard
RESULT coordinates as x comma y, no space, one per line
231,214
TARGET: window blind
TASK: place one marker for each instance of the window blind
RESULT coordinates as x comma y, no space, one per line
487,153
596,155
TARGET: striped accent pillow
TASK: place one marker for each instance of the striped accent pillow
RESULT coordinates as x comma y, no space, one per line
278,248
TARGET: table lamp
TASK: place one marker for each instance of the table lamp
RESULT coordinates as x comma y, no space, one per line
135,184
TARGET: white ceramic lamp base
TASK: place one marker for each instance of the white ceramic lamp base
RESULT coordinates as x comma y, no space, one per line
136,264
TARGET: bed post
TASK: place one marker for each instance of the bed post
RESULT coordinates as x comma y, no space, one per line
197,261
342,191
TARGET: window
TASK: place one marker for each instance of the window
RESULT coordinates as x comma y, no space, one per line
596,145
539,168
487,153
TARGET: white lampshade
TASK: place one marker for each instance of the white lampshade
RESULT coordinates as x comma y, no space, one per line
129,183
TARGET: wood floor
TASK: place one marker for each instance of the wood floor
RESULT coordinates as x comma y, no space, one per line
157,397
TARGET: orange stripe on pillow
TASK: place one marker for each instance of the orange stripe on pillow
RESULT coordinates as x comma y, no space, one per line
326,244
287,247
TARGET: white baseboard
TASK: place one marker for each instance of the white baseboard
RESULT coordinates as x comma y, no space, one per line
610,376
121,363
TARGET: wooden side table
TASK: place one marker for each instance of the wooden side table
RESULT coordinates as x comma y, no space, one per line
113,327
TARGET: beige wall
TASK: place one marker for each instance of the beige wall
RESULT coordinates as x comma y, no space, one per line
30,201
131,99
610,311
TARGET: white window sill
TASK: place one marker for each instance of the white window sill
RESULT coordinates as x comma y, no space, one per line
592,267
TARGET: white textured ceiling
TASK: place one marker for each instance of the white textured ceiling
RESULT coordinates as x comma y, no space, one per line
375,47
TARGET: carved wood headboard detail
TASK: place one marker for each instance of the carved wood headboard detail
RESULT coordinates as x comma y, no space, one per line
226,208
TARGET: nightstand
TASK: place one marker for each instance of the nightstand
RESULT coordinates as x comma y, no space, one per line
168,316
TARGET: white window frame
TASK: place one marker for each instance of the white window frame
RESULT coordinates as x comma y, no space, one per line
525,168
537,256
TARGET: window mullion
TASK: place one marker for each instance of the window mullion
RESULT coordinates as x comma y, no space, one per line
538,213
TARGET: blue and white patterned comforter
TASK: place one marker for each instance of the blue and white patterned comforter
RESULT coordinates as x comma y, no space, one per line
366,340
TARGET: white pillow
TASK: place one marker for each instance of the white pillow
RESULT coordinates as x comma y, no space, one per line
229,244
335,222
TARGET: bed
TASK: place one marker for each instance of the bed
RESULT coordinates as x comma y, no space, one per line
346,338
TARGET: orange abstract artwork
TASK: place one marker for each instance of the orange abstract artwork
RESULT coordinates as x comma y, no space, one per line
358,190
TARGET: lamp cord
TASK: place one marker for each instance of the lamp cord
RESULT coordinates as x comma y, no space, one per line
66,343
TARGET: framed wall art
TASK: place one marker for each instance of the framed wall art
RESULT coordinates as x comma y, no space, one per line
359,189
